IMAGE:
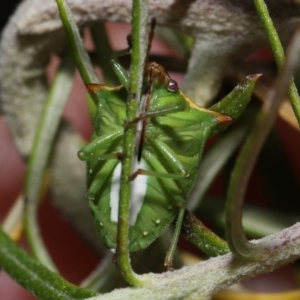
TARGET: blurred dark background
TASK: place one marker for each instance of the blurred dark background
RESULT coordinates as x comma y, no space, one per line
6,9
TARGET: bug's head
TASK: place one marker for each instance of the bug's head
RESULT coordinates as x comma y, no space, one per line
156,73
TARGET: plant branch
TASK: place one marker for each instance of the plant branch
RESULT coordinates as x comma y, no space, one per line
43,142
199,281
202,280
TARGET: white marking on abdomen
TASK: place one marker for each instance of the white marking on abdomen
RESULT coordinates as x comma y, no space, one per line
138,191
114,193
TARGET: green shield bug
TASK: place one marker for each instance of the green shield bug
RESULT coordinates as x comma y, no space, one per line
173,132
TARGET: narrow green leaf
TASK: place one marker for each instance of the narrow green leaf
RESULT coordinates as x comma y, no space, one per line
43,142
81,57
278,51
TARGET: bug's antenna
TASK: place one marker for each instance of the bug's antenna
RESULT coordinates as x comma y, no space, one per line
150,39
151,34
147,89
129,40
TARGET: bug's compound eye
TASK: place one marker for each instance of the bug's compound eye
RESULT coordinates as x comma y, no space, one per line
173,86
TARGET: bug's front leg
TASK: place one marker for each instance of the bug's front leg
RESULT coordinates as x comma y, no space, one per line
120,72
145,172
172,108
118,68
92,151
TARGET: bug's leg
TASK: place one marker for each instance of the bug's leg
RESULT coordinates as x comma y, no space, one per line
117,67
95,210
95,151
170,254
154,174
164,110
170,156
101,178
157,170
120,72
159,112
102,142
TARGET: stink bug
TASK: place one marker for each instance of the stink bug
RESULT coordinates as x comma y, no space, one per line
173,131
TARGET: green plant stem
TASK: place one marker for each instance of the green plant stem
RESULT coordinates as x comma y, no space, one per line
278,52
42,146
138,56
245,162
